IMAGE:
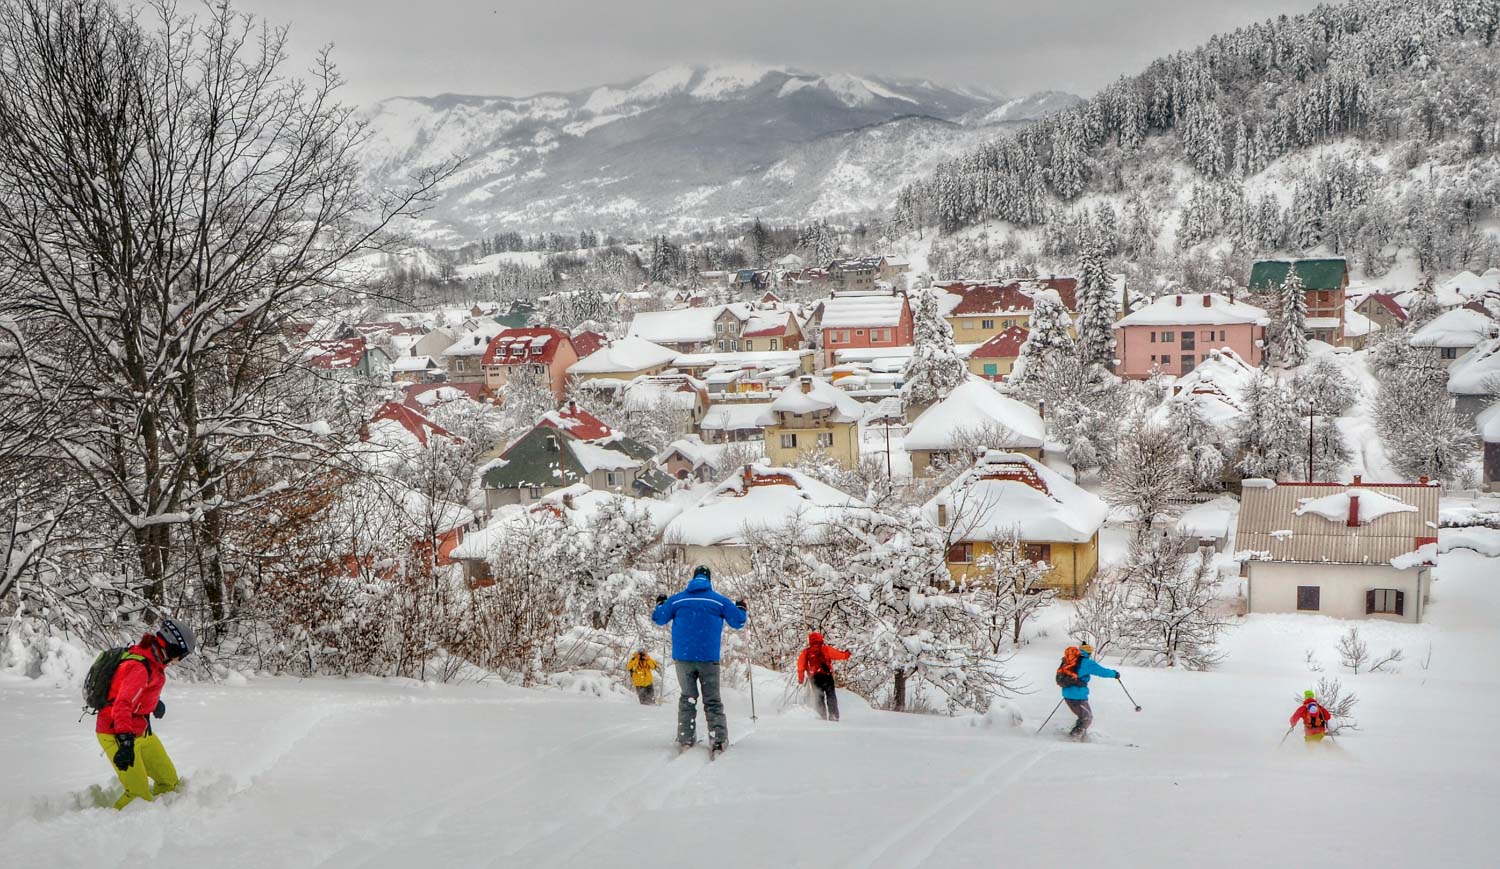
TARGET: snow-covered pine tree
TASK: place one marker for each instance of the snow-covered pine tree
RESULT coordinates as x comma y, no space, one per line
1096,308
1048,337
1289,347
935,367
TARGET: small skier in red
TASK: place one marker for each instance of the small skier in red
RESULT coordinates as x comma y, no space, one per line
1313,716
817,659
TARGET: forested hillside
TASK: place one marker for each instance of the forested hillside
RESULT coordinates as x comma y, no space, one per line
1367,129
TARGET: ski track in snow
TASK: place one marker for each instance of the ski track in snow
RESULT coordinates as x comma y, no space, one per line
913,843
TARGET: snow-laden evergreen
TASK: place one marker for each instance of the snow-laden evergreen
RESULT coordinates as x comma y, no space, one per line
935,368
1096,309
1289,341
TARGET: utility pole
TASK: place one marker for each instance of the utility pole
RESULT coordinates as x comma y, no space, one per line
1310,417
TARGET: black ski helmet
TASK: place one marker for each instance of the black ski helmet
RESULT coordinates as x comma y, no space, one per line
178,637
703,571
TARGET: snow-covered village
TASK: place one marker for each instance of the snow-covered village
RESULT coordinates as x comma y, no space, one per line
956,435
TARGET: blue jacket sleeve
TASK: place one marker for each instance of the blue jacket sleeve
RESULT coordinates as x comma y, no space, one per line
1090,667
733,615
663,613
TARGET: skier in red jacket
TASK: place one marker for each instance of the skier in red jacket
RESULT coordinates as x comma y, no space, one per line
1313,716
124,725
817,659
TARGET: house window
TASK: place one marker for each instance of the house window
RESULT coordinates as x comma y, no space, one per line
1153,337
1221,334
987,324
991,369
1168,337
534,491
1008,323
789,442
1166,360
860,332
1039,552
614,478
1209,335
961,553
773,344
825,439
1188,364
749,345
1153,358
1450,352
1385,600
968,324
1308,597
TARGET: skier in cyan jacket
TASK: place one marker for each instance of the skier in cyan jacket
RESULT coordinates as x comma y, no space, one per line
698,615
1078,665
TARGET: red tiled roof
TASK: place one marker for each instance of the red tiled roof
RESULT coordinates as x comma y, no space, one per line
475,392
416,423
585,343
992,299
773,331
537,346
1006,345
577,423
1387,301
338,354
1067,289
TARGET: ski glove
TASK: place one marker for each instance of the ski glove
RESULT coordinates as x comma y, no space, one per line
661,599
741,605
125,754
160,710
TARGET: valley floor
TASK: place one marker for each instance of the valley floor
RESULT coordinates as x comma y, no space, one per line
389,773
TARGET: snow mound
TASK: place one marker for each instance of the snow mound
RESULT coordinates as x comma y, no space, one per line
1372,505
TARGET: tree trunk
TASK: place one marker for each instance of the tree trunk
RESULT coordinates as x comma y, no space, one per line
898,692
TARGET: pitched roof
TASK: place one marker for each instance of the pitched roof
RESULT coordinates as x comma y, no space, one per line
416,423
585,343
628,354
772,325
1387,301
1316,274
337,355
973,406
862,310
1307,522
991,299
543,458
576,423
758,497
679,326
414,363
1005,491
578,504
1460,327
537,346
809,395
1477,372
1194,309
475,342
1006,345
425,395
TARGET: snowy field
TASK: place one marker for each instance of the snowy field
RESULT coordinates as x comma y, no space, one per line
385,773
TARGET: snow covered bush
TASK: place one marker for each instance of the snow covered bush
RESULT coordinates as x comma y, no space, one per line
1149,475
1171,615
1018,586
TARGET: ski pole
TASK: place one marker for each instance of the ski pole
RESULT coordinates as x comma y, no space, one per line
1049,716
1285,735
1127,694
750,666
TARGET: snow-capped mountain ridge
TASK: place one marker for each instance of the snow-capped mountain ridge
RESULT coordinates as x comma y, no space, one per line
684,145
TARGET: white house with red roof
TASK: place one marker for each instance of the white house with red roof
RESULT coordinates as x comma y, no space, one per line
543,349
770,330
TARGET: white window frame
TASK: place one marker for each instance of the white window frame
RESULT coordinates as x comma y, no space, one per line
788,441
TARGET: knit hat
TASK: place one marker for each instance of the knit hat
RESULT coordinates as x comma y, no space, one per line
814,637
1086,648
1308,694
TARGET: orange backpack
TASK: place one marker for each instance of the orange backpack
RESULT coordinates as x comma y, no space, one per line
1067,671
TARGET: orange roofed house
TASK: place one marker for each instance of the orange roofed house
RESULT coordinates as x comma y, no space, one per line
858,320
548,351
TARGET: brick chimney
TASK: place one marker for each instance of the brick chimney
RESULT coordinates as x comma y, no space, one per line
942,514
1353,520
1208,301
1356,479
1179,300
572,407
747,475
806,383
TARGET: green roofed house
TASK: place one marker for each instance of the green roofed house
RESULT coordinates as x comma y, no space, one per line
566,447
1323,282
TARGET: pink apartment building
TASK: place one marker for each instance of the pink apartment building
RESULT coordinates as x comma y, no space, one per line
1175,333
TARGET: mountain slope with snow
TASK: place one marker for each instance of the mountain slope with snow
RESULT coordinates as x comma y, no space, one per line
685,145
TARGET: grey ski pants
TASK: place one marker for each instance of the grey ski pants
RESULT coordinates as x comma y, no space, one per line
693,677
1085,716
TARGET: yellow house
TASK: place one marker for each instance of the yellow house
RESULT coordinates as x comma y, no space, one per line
978,314
1007,494
625,359
973,416
996,358
812,415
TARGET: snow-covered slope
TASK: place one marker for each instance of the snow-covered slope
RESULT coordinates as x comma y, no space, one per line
390,773
685,144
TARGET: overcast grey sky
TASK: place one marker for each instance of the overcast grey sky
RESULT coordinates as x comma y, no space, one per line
505,47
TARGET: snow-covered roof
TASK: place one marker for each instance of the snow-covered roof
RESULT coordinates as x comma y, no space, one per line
475,341
1195,309
862,310
973,406
595,458
1488,423
628,354
414,363
810,395
1460,327
1211,520
1477,372
738,416
760,497
679,326
1363,506
1005,491
578,503
748,359
1214,387
1308,522
1357,324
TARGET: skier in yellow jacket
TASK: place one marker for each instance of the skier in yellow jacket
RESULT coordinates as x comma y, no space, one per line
641,668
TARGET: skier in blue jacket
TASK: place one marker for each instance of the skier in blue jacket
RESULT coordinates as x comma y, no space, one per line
698,615
1077,666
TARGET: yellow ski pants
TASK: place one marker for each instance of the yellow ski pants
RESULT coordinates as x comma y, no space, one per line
151,765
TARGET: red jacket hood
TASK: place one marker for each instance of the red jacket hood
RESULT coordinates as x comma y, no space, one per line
814,638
